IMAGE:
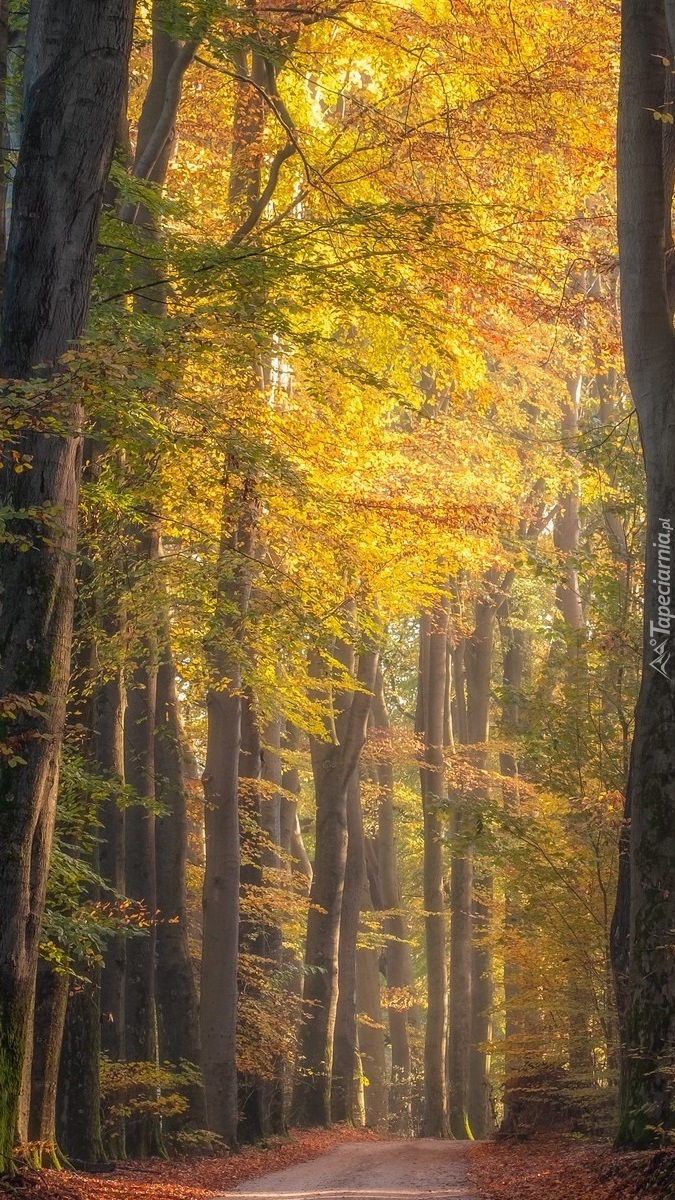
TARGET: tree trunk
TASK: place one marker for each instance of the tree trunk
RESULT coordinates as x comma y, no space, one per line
371,1028
142,1131
333,763
566,537
177,1003
220,945
218,1010
271,1091
482,1002
461,888
645,194
398,957
433,659
50,1016
513,652
478,666
250,928
78,1118
109,716
74,91
345,1038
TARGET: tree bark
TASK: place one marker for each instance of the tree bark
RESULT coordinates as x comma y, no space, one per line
513,658
78,1118
142,1132
345,1042
433,665
250,929
177,1002
478,666
109,716
645,913
50,1016
371,1027
271,1091
398,956
334,763
73,96
461,890
220,946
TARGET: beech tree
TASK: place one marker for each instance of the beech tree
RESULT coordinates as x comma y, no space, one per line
645,913
76,66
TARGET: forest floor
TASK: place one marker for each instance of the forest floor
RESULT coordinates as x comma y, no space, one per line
183,1178
568,1168
348,1164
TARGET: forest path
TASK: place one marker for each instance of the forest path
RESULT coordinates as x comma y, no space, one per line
401,1170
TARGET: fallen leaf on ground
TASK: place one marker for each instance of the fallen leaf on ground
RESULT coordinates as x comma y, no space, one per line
565,1169
185,1178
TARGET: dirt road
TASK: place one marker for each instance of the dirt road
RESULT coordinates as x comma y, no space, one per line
409,1170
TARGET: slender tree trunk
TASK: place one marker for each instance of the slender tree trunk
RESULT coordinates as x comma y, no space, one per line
478,666
250,928
461,889
433,660
371,1027
142,1132
482,1002
566,536
271,1091
220,947
345,1044
74,89
109,717
459,1041
218,1010
177,1003
333,762
513,651
398,957
290,831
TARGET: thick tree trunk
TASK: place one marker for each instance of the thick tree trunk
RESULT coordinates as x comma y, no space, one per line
74,91
334,763
50,1016
433,666
645,913
78,1118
